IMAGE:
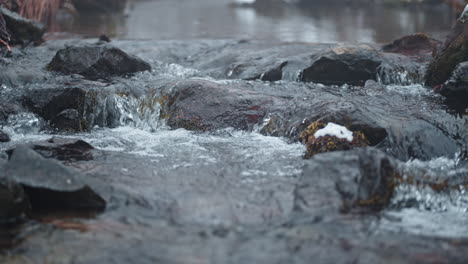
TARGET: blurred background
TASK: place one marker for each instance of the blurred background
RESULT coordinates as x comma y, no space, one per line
371,21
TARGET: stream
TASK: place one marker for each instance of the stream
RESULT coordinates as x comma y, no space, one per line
229,189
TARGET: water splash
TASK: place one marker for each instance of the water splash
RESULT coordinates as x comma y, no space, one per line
23,124
398,76
143,112
422,181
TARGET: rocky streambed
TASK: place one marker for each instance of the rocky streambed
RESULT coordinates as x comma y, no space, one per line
193,152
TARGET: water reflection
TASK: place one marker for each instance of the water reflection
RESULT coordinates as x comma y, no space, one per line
215,19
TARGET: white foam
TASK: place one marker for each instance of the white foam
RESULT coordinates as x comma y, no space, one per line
332,129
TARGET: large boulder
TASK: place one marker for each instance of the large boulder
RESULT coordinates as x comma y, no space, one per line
204,105
49,184
96,62
377,120
22,30
453,52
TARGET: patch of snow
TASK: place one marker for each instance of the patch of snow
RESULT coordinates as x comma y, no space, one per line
332,129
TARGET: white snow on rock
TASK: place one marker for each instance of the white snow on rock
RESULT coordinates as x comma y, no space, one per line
332,129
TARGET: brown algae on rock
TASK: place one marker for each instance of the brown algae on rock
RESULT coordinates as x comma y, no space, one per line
327,143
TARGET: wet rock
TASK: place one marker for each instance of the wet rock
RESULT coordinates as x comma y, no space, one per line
204,105
400,69
343,65
7,109
64,108
327,143
367,184
4,137
96,62
13,201
68,120
321,63
457,84
22,30
50,185
417,45
420,140
65,149
453,51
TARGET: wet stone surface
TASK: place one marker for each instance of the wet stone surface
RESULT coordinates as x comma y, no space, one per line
201,160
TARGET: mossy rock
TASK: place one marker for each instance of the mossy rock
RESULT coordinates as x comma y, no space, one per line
329,143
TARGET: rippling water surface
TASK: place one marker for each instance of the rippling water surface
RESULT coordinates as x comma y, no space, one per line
165,188
326,22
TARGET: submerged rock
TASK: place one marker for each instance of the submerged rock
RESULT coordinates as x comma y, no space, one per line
362,179
330,140
50,185
453,51
22,30
96,62
352,65
4,137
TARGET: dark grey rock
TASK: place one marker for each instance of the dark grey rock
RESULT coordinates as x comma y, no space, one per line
457,84
63,107
340,65
4,137
68,120
13,201
361,179
22,30
65,149
96,61
204,105
49,184
453,51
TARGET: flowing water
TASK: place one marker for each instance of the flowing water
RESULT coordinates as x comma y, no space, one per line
178,196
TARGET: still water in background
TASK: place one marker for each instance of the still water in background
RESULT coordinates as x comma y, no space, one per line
217,19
